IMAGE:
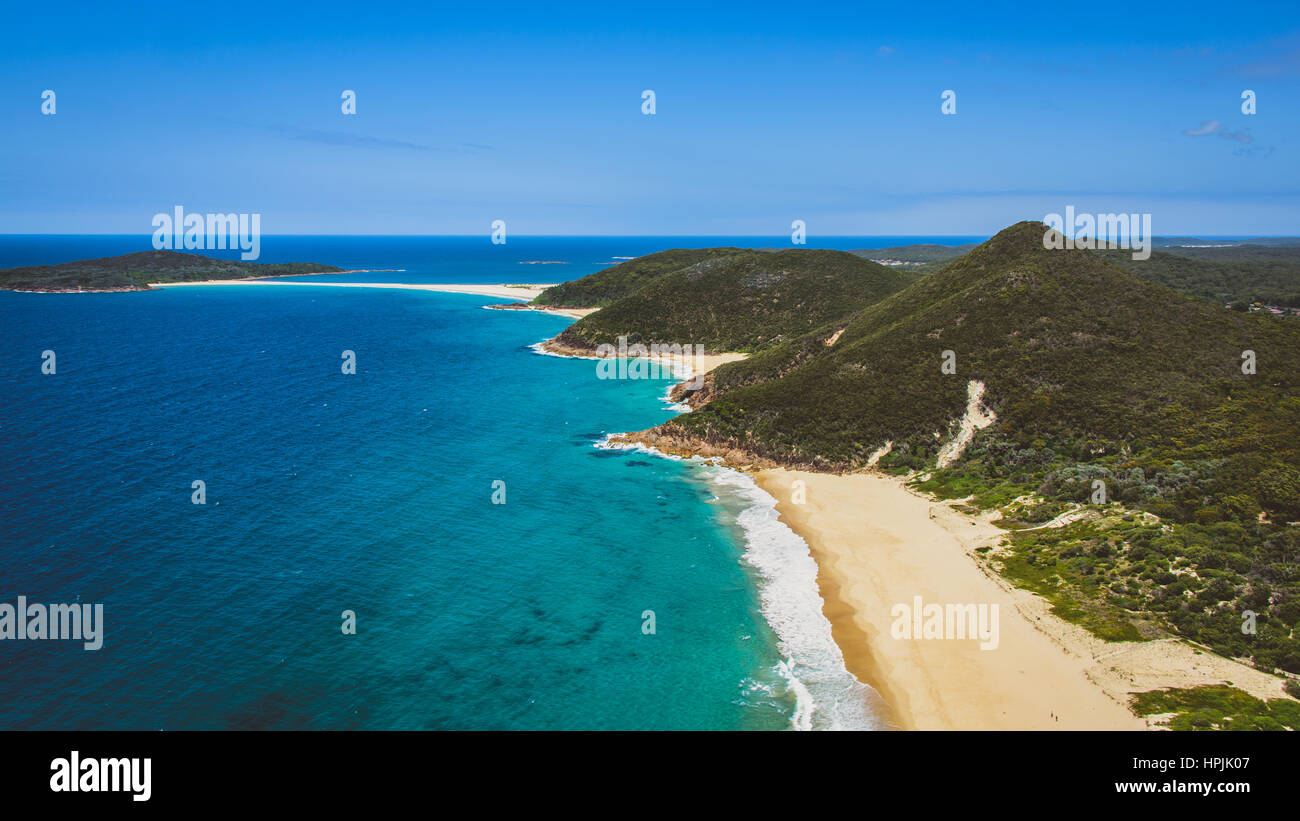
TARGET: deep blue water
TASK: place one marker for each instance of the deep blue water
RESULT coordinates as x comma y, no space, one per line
372,492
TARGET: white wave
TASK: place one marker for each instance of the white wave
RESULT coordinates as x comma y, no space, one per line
827,696
608,443
537,347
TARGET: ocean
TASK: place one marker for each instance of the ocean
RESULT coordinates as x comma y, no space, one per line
504,567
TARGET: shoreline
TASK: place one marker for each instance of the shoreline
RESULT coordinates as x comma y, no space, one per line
789,573
683,367
525,292
828,693
505,290
152,285
879,544
876,544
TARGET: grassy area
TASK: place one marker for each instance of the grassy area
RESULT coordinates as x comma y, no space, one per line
1217,707
1079,588
1123,572
952,484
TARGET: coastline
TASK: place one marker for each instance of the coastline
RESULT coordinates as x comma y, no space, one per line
872,544
152,285
875,544
827,693
682,366
523,291
504,290
878,544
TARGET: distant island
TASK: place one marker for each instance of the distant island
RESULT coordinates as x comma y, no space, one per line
134,272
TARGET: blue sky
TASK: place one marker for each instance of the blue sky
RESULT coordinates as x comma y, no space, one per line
531,113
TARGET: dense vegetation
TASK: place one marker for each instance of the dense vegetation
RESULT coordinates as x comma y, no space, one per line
1071,349
740,300
1093,374
1243,274
133,272
626,278
1125,575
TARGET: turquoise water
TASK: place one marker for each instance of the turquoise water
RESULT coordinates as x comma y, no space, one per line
373,492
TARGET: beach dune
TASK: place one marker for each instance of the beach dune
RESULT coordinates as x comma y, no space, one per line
877,545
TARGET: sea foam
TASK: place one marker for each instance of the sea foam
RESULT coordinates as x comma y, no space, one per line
827,696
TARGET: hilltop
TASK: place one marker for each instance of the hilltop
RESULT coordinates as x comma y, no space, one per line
734,300
134,272
1065,343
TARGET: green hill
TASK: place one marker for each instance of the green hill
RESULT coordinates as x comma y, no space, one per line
133,272
617,281
1093,375
1066,344
740,300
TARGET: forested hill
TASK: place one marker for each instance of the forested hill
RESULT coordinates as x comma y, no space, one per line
735,300
1079,375
134,272
1071,349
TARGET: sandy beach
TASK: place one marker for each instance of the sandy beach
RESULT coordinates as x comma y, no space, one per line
685,367
878,544
523,292
505,290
